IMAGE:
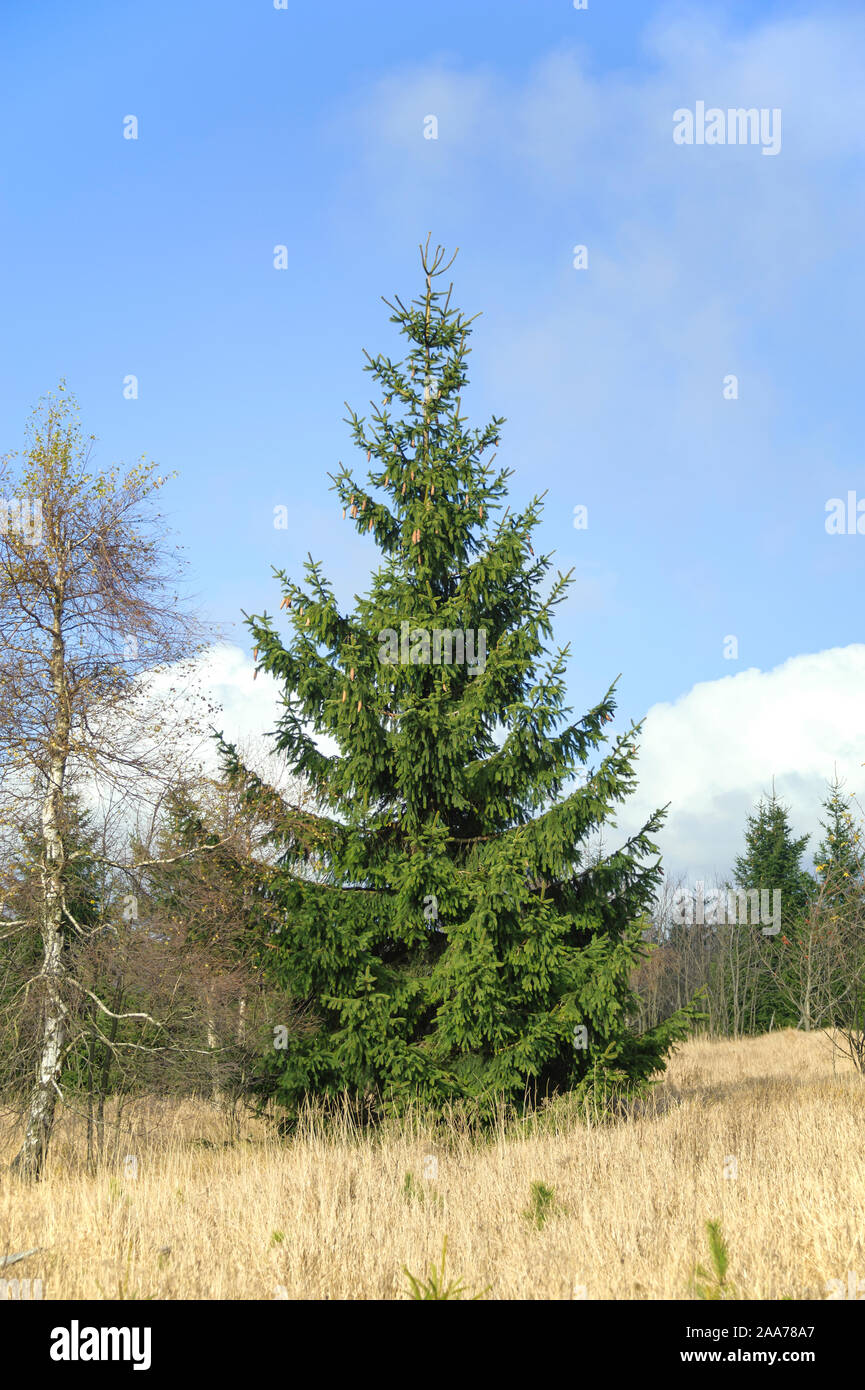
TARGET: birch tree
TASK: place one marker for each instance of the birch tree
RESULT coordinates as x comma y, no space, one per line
88,604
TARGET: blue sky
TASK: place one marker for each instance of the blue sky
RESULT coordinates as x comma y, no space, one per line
304,127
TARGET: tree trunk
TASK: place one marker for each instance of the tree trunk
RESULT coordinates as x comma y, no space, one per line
212,1043
105,1074
806,1011
91,1090
30,1159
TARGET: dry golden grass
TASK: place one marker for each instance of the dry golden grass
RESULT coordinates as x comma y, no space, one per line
633,1197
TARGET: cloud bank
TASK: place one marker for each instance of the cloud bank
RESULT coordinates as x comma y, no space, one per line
711,753
716,749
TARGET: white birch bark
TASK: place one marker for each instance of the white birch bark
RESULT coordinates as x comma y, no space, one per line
30,1159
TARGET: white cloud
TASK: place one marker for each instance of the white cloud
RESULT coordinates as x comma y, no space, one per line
243,707
248,705
715,750
712,753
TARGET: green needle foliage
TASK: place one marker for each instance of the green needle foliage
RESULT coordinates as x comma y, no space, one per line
435,1287
841,855
772,858
410,1189
445,915
414,1192
541,1205
772,863
713,1284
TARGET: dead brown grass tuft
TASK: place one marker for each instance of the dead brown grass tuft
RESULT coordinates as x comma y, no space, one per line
204,1215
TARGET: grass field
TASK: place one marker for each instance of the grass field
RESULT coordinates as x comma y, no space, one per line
329,1216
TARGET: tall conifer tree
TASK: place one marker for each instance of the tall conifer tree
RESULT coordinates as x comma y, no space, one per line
445,912
841,855
772,863
773,858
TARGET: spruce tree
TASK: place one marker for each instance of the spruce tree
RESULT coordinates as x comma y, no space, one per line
446,914
840,860
773,858
835,940
87,906
772,862
89,890
205,886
